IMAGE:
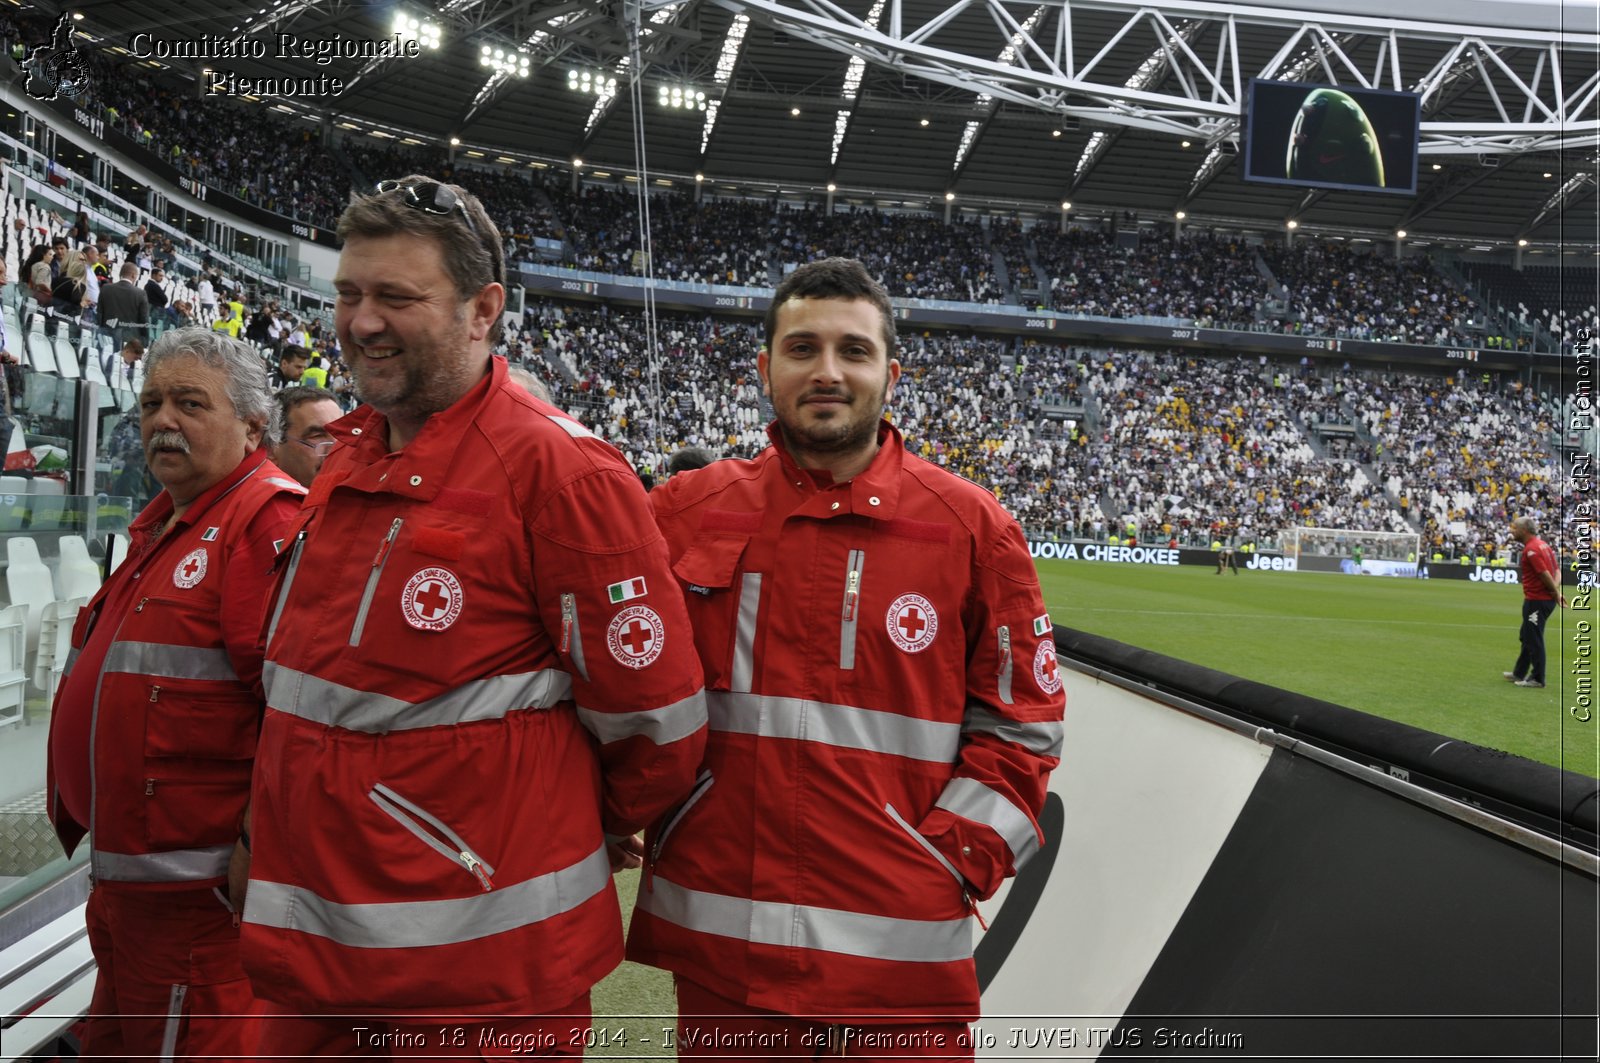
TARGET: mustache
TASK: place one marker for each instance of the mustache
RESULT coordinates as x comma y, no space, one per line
166,441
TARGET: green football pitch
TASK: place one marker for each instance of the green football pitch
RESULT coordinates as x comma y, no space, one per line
1429,653
1425,652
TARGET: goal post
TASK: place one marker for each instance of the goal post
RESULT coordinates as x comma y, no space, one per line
1355,551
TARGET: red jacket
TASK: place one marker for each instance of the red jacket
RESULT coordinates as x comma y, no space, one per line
1537,557
477,662
161,701
885,712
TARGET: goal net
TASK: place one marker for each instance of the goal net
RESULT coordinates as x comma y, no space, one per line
1376,552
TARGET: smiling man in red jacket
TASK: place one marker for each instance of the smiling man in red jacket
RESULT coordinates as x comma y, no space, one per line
478,668
884,708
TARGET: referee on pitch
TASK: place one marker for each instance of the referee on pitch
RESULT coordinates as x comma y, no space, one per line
1541,590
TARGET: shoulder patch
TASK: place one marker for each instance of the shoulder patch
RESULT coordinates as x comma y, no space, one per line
1045,670
635,636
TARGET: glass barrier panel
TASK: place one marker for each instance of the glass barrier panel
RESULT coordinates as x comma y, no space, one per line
52,551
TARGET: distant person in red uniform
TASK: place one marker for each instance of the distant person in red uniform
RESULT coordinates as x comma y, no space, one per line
153,735
1541,590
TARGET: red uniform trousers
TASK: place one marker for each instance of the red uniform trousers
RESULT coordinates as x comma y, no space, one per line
170,985
714,1027
287,1036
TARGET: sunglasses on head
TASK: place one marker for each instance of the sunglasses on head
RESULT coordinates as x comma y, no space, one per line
431,197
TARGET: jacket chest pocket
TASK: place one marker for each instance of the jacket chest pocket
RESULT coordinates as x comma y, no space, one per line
203,721
724,604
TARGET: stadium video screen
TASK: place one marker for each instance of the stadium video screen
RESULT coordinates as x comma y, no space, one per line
1320,136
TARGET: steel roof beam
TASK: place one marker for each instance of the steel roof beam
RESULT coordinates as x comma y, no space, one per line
1207,102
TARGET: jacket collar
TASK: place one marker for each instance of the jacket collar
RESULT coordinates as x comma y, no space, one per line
417,469
873,492
148,524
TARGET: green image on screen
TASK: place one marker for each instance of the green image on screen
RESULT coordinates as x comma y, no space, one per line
1333,141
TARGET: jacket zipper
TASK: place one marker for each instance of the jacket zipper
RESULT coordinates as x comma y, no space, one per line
966,894
928,846
1003,680
433,831
169,1033
702,783
378,561
851,607
571,635
288,581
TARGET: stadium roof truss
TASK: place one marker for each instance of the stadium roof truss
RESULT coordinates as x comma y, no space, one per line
1535,108
1012,105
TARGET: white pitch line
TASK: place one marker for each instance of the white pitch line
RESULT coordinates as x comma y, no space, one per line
1273,616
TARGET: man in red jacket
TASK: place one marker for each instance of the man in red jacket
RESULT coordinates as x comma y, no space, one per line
154,728
1541,590
480,680
884,706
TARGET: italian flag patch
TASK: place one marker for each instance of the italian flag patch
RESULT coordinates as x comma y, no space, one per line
1041,624
626,591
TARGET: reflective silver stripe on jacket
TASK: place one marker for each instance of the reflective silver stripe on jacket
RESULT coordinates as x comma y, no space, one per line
662,726
178,865
169,662
744,638
877,937
970,799
1044,737
320,701
571,427
833,725
419,924
72,659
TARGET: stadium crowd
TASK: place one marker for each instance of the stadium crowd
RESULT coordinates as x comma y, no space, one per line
1336,290
1075,442
1082,443
1211,281
1462,456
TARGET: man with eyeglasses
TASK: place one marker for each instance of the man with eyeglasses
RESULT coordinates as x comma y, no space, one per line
304,413
481,680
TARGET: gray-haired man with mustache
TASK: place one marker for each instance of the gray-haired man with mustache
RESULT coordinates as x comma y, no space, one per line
153,733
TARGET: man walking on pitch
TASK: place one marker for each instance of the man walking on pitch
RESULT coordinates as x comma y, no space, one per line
1541,590
885,711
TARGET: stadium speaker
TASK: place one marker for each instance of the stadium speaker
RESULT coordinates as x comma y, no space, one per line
1229,147
1491,161
1070,123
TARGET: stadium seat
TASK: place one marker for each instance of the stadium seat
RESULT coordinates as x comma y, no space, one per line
13,662
77,575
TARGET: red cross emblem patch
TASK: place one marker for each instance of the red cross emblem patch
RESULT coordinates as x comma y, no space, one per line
191,570
635,636
1045,671
431,600
912,622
